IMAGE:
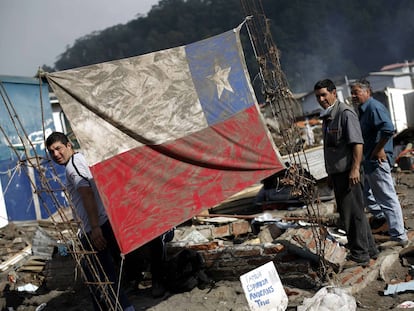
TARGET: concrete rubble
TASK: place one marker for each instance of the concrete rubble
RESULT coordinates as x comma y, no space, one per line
230,244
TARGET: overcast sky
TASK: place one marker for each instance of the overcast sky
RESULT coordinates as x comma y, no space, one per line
36,32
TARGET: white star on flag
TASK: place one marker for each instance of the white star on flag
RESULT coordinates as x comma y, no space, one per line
221,78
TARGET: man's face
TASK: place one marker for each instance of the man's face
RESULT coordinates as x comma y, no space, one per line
325,98
359,95
60,152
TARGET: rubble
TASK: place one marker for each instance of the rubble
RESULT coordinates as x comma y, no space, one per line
396,288
230,245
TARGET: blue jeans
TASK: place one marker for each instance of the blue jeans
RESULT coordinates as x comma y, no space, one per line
382,200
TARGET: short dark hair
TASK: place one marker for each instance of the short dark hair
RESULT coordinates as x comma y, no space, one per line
57,137
330,86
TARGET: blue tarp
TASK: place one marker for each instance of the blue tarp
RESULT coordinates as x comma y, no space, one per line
23,113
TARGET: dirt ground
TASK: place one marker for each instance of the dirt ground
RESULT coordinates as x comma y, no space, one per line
224,295
371,298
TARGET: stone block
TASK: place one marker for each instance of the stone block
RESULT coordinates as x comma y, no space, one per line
247,251
240,227
269,232
270,249
220,231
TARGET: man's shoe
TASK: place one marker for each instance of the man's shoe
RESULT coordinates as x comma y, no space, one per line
374,254
378,225
352,264
376,222
392,244
158,289
381,230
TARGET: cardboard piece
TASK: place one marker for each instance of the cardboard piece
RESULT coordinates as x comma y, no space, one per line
263,289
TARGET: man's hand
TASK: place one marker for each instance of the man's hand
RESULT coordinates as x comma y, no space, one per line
355,173
91,208
354,177
379,155
98,239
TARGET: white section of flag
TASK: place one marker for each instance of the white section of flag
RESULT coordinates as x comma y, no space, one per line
148,99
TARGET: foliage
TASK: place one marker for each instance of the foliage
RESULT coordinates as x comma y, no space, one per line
317,38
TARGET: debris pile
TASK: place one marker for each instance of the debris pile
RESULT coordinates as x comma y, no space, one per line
33,256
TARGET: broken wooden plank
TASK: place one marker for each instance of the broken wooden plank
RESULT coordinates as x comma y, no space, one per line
29,268
27,251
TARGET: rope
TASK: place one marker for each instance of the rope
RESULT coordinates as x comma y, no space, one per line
119,278
14,169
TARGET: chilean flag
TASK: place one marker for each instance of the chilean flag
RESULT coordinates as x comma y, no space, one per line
168,134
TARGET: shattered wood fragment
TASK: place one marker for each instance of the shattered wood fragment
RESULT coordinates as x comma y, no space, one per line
27,251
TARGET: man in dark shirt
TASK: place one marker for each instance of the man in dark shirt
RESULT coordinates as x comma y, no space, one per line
343,146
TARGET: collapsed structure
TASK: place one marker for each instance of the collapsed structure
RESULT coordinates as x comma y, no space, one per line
215,145
108,123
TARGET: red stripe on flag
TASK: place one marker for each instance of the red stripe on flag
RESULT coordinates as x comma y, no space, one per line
151,189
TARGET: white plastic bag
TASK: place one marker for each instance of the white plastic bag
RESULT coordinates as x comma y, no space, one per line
329,299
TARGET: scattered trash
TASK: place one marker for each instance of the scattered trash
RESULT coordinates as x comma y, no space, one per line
41,307
12,276
194,236
399,288
62,250
267,218
302,223
406,305
263,289
329,299
338,235
28,288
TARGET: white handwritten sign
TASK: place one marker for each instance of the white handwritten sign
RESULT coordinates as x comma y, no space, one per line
263,289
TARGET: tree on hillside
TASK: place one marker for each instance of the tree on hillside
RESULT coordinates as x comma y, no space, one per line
317,38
